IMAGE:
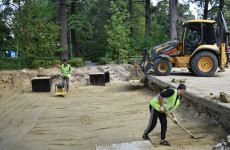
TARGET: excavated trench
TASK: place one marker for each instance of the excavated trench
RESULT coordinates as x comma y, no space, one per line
96,115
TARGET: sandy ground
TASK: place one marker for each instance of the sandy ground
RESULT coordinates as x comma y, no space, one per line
208,87
94,115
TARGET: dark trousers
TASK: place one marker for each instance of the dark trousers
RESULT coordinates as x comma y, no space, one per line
67,82
154,114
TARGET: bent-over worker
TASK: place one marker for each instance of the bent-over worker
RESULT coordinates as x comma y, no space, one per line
66,73
165,102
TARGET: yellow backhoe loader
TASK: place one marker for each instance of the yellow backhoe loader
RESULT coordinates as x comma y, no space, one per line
202,49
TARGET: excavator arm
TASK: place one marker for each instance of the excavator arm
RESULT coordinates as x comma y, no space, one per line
222,40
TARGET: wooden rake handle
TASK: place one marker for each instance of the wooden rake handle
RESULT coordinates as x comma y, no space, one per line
180,126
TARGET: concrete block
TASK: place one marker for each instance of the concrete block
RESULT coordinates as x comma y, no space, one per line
136,145
228,139
41,84
224,97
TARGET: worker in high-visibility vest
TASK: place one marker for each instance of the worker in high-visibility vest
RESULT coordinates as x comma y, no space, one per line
165,102
66,73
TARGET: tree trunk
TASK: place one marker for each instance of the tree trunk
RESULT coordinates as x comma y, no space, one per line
147,18
73,36
173,19
63,30
206,9
131,16
18,39
221,5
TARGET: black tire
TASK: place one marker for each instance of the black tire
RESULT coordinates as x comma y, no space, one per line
190,70
204,64
162,67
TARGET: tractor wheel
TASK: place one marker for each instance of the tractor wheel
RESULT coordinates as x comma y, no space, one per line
162,67
204,64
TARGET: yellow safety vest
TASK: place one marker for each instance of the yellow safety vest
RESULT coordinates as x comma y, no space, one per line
65,70
170,103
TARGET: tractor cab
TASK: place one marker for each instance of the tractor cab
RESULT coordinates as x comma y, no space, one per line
197,33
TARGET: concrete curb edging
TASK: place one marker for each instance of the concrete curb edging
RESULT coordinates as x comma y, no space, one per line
220,112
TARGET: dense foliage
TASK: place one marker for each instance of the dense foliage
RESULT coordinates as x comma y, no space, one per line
102,28
12,63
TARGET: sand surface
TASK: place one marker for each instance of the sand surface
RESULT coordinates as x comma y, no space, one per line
94,115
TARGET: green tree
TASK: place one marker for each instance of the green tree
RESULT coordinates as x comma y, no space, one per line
63,30
73,33
138,30
173,18
207,8
118,30
98,16
5,37
37,34
78,22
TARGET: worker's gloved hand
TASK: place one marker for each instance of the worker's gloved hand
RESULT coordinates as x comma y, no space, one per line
162,109
175,121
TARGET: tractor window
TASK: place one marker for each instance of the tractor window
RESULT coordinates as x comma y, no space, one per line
209,34
194,34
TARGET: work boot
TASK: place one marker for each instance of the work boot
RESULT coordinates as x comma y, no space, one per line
165,143
146,138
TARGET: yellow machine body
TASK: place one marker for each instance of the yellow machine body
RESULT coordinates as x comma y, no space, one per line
60,91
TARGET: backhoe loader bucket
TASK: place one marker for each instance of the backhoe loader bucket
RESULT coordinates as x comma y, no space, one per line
136,65
137,73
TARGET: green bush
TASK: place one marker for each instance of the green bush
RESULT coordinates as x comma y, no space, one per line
95,59
130,60
36,64
76,61
15,63
20,63
55,62
44,63
103,60
48,58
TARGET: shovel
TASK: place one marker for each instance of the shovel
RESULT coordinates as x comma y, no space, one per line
192,136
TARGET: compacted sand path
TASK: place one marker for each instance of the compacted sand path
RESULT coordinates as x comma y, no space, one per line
94,115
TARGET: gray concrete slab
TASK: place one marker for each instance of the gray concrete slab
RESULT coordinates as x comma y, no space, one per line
201,86
136,145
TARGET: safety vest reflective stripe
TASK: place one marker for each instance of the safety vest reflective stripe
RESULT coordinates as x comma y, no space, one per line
165,100
167,108
65,71
171,107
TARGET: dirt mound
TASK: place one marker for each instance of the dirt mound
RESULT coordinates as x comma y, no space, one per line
21,79
116,72
16,79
